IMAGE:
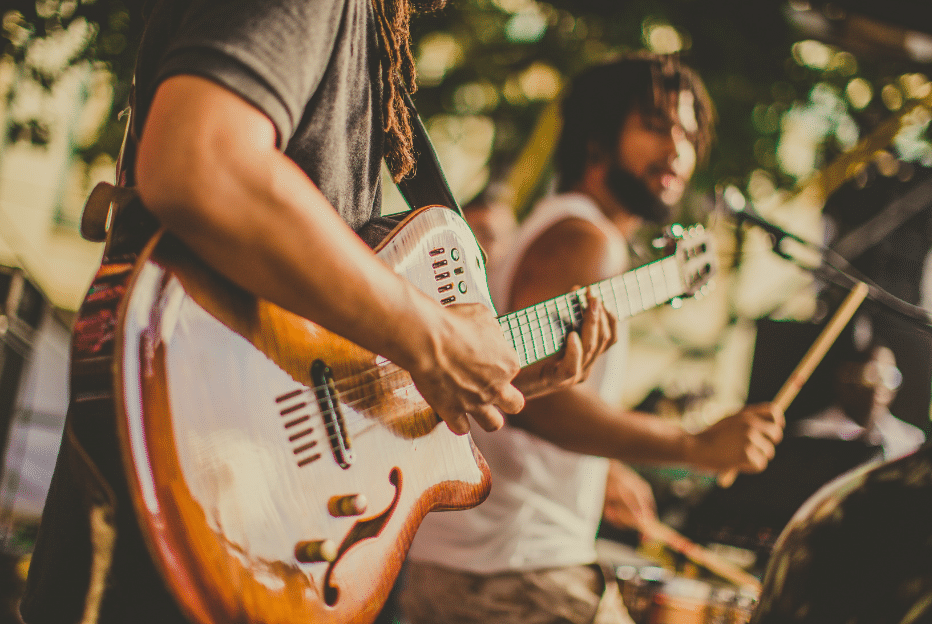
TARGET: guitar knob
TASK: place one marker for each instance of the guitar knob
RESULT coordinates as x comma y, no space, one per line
349,505
315,551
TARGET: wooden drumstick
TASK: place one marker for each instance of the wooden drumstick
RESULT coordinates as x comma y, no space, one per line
813,356
656,530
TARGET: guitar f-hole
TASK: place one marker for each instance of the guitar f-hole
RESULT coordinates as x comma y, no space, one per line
362,530
329,406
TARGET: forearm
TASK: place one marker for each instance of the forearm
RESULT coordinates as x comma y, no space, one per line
579,421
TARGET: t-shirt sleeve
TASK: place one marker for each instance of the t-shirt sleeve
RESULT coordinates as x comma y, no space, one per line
272,53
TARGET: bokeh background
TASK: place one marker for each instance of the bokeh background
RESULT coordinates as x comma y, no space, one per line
823,125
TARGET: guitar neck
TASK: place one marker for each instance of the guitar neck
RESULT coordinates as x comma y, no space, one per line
540,330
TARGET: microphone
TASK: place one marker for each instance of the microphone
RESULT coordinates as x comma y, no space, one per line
735,204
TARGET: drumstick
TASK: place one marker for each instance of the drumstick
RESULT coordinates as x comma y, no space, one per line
656,530
813,356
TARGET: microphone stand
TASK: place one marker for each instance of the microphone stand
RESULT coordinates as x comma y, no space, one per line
834,268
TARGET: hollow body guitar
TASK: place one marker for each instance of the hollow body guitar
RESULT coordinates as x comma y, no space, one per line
279,472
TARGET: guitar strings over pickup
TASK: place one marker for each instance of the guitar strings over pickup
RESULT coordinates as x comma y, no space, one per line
329,405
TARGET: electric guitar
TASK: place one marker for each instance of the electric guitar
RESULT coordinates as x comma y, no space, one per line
278,471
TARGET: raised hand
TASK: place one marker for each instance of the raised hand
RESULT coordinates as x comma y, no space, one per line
744,441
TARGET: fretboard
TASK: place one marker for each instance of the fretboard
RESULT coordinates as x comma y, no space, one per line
540,330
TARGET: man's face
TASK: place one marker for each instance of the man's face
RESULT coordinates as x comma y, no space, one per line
655,148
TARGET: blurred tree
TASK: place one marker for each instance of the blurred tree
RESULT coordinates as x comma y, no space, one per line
46,38
506,59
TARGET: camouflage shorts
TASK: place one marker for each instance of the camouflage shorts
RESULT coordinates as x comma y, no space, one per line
433,594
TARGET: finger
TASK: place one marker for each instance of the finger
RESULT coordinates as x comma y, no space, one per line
510,401
757,461
606,330
767,427
590,331
773,432
769,412
458,423
763,445
489,418
613,328
570,365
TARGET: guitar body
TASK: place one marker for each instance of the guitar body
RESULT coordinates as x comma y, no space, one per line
278,471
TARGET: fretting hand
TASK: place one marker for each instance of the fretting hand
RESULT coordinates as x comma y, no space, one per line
598,332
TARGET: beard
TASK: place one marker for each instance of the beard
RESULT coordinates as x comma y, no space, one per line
635,196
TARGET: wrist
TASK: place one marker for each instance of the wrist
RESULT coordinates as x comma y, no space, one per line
688,444
414,341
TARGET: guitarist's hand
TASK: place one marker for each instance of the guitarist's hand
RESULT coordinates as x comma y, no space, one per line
469,370
744,441
599,331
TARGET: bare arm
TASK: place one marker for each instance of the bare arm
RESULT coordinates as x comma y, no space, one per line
208,168
579,421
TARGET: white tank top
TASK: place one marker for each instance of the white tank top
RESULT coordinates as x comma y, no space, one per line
546,502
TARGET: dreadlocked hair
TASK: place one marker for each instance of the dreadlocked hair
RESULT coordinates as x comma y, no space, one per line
393,18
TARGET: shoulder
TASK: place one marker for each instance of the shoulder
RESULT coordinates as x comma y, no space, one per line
569,243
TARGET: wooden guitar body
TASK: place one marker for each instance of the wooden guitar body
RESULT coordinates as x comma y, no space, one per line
278,471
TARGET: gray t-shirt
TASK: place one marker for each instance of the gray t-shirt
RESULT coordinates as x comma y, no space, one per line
311,66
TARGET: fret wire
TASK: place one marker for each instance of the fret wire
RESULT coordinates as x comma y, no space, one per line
521,347
523,334
527,353
554,323
633,293
540,331
611,304
578,304
647,292
621,299
659,286
674,280
530,328
564,299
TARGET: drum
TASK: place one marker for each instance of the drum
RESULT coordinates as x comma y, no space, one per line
654,595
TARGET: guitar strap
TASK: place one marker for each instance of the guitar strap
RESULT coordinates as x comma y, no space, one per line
427,185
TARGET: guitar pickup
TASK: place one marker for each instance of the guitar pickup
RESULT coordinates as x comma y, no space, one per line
329,406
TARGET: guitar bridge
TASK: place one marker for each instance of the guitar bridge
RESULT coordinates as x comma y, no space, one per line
329,406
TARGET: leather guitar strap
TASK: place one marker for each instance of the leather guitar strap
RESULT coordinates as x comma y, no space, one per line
427,186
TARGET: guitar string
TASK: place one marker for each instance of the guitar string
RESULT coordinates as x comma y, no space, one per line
574,308
522,321
526,327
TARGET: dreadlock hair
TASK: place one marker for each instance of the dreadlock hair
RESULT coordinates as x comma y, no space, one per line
600,99
393,18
